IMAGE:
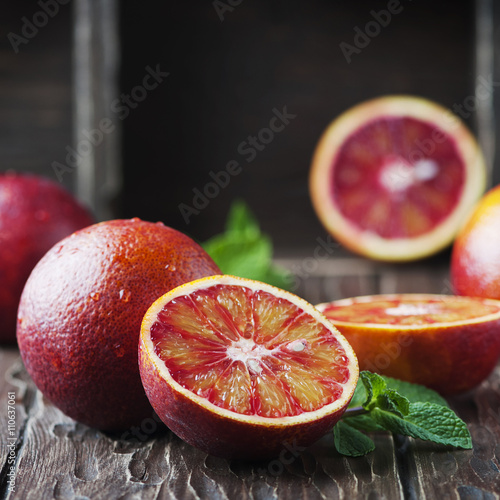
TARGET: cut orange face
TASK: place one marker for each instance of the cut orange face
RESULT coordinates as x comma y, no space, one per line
394,178
241,369
445,342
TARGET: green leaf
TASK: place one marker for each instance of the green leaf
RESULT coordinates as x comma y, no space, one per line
379,396
382,403
351,442
427,421
415,392
247,257
393,402
242,250
359,396
241,220
374,385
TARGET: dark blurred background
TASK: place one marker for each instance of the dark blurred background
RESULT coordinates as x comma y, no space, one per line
232,65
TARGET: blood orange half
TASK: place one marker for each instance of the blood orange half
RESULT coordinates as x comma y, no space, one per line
446,342
241,369
395,177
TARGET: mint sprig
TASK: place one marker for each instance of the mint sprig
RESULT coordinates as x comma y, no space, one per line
243,250
386,404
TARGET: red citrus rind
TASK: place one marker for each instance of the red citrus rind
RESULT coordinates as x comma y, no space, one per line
369,243
35,213
475,259
81,310
222,432
450,352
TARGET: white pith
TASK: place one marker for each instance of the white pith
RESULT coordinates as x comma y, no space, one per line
249,353
411,309
243,351
423,299
252,354
398,175
368,242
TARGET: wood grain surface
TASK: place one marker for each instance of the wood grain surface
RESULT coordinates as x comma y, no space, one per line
61,459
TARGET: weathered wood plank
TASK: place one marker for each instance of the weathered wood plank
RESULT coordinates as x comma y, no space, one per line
437,472
12,416
62,459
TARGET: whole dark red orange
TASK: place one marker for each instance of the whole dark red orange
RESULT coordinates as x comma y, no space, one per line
81,310
35,213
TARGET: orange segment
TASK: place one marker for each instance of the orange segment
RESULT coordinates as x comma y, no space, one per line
178,319
271,316
272,397
233,388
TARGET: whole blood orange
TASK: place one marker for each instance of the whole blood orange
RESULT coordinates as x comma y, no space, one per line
35,213
475,260
81,310
241,369
394,178
445,342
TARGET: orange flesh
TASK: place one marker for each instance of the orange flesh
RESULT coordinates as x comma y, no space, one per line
410,312
398,177
250,352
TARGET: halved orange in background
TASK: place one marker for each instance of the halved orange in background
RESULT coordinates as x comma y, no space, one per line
394,178
446,342
241,369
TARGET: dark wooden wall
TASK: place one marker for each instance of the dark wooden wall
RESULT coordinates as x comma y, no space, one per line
226,77
35,87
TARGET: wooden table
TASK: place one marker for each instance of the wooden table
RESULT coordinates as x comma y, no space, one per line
55,457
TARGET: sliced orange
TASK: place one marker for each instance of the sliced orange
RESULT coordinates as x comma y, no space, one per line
242,369
394,178
446,342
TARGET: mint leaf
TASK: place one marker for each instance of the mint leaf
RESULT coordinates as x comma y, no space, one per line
359,396
414,392
379,396
441,423
241,220
427,421
245,256
374,385
351,442
382,403
393,402
243,250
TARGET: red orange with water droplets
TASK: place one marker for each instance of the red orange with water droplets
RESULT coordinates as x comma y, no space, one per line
35,213
241,369
81,311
